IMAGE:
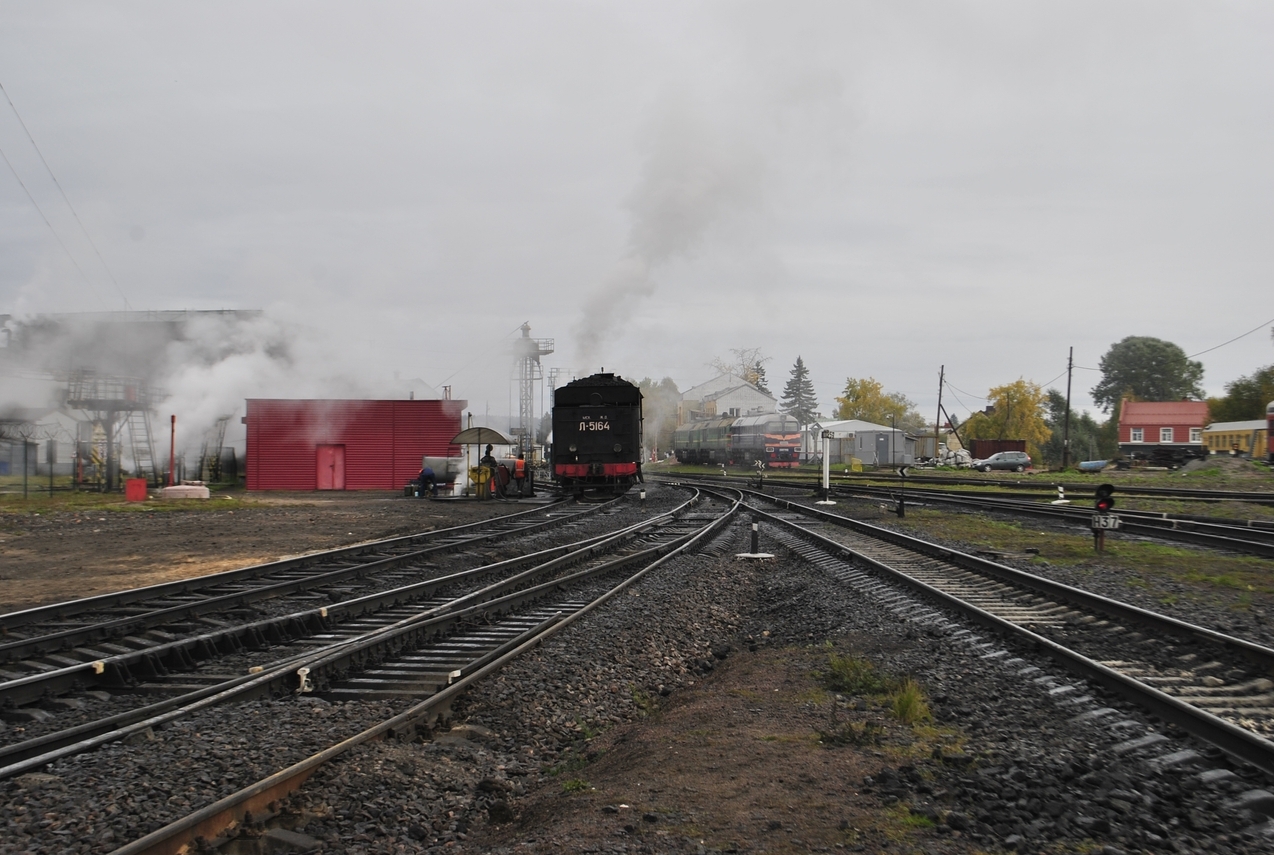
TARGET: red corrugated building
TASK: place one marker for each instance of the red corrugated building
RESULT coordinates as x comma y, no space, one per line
345,444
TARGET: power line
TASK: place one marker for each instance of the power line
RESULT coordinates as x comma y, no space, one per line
1054,380
58,184
40,211
962,392
1231,341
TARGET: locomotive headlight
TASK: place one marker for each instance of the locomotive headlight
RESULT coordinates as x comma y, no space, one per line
618,448
573,449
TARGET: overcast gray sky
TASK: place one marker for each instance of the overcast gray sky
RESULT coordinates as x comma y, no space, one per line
882,188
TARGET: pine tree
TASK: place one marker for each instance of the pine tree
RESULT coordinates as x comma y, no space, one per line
798,395
758,372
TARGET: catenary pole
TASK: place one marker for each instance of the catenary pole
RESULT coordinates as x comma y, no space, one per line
937,420
1066,431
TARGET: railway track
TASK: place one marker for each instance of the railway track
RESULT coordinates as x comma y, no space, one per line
1079,488
1026,485
419,656
1251,537
1215,686
1245,536
127,639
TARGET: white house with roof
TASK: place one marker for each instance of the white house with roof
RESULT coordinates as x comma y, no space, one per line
724,395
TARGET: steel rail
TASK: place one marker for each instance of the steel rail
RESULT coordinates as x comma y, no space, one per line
1072,502
213,820
120,670
1234,740
284,676
1034,482
1262,497
107,630
1130,522
13,620
1258,654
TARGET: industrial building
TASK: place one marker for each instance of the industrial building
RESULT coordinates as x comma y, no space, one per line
871,444
345,444
78,392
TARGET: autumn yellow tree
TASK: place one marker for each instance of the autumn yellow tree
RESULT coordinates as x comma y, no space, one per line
1019,410
866,399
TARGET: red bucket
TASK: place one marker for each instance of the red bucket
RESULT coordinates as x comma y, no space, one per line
135,489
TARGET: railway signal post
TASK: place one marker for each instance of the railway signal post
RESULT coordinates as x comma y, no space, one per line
1103,520
826,437
901,509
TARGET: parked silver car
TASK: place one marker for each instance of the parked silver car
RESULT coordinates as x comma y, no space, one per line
1017,461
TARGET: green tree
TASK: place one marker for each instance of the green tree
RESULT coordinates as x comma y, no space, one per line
799,399
659,412
1245,398
1086,438
866,400
1150,369
1017,411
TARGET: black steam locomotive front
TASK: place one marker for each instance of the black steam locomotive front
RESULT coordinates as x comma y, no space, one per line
597,433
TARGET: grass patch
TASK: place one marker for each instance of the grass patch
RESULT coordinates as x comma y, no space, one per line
908,703
851,733
644,702
1144,560
852,675
575,785
40,501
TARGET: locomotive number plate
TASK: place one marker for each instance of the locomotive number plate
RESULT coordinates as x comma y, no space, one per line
594,426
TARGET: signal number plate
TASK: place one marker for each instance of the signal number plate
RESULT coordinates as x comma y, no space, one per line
1105,521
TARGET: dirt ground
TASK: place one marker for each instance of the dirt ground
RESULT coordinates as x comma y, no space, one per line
733,764
51,554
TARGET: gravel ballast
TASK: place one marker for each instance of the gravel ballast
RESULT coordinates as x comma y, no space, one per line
1008,762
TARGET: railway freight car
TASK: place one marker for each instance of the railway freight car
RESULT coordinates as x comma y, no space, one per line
597,434
772,438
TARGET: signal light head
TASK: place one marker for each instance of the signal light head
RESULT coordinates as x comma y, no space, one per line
1105,497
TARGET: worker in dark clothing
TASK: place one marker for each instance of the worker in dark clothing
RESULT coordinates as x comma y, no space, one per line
488,460
519,471
426,481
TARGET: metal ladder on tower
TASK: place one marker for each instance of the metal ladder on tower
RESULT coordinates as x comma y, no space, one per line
210,455
143,446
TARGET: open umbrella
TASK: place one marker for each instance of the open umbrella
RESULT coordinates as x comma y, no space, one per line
480,435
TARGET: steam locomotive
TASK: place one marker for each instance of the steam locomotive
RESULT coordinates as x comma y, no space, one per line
772,438
597,434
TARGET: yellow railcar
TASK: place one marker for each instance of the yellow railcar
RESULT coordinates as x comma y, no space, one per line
1249,439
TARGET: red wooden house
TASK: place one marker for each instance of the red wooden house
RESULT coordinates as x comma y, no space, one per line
1166,433
345,444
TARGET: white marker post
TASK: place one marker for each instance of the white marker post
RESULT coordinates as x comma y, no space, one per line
826,436
756,544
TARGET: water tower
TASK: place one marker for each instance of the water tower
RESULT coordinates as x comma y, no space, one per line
526,353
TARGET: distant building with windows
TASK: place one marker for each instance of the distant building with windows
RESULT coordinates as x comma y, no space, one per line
722,396
1165,433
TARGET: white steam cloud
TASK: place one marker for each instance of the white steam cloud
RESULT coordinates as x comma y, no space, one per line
694,175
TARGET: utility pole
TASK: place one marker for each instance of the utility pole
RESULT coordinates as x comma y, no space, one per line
937,420
1066,431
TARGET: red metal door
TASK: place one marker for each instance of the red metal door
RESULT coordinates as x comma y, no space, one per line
331,467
